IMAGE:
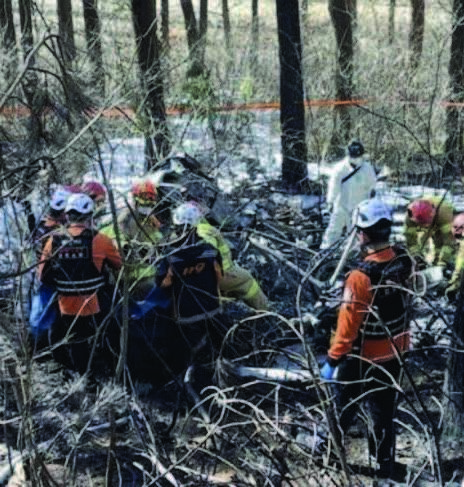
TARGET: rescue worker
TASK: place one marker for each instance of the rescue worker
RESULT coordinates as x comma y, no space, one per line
97,192
53,219
458,227
43,307
191,300
428,230
372,329
73,188
192,273
352,180
237,282
189,330
458,234
77,262
140,233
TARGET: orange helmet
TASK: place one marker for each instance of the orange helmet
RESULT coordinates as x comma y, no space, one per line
422,212
144,191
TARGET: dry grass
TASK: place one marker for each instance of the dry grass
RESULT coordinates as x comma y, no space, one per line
113,434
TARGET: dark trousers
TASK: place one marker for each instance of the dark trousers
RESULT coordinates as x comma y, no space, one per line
92,344
372,385
160,348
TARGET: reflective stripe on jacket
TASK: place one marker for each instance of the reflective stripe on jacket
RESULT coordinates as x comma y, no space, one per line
213,236
73,270
389,315
367,319
439,233
192,273
77,270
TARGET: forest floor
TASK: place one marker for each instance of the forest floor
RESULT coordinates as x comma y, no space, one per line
240,430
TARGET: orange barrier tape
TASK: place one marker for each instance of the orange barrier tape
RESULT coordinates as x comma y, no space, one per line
118,112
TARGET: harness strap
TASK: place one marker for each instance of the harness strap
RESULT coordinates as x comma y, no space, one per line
352,173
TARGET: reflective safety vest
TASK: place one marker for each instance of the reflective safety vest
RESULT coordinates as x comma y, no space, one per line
72,269
388,315
192,272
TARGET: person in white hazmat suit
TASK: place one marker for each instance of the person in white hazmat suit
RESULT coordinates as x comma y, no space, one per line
353,180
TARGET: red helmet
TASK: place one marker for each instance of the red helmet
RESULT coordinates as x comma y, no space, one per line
73,188
422,212
144,191
94,189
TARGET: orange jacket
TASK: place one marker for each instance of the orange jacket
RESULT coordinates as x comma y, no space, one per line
103,250
357,298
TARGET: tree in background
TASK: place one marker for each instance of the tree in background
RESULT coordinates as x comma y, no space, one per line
203,24
292,113
416,33
195,38
93,38
342,16
29,82
8,38
25,18
165,24
66,28
391,21
353,8
254,24
148,53
226,22
454,122
304,11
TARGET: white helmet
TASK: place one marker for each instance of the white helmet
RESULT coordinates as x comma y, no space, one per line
187,214
371,211
80,203
59,199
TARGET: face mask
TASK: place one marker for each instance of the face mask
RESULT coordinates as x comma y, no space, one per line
145,210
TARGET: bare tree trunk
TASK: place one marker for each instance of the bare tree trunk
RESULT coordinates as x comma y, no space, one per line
203,23
25,17
165,23
454,119
292,112
416,33
30,83
7,25
9,38
254,25
203,29
341,16
304,11
93,39
226,21
66,28
454,384
353,9
148,53
391,21
193,39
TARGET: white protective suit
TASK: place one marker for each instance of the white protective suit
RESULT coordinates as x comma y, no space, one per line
352,180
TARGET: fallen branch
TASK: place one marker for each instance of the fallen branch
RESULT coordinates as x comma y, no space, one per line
278,255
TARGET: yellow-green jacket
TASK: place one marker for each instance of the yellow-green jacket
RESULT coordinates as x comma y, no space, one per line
139,238
458,268
237,282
